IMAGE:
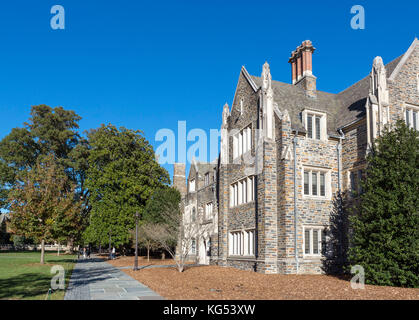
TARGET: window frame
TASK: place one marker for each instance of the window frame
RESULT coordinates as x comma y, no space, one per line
242,243
242,191
322,116
311,228
318,172
242,141
411,116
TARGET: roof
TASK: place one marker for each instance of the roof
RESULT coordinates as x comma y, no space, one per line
204,167
341,109
353,99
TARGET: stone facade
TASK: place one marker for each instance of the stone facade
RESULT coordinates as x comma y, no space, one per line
273,197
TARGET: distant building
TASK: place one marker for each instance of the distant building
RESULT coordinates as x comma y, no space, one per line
248,195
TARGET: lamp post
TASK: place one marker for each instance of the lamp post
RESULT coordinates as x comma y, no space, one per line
137,216
110,243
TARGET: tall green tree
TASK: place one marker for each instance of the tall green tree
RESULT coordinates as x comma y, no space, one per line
122,175
162,200
42,205
49,131
385,240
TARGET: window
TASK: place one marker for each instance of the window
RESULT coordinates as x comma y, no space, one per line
193,246
242,142
193,216
315,182
411,117
313,237
355,180
242,191
313,131
310,126
192,185
206,179
242,243
208,210
315,124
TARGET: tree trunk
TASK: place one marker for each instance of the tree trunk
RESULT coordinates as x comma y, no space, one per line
163,255
100,248
148,254
42,251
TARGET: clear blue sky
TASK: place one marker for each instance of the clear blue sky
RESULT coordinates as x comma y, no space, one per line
145,65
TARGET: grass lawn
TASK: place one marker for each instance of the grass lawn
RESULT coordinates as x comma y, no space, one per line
23,277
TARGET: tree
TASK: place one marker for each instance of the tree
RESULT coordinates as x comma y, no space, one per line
43,206
49,131
144,239
172,229
385,240
122,174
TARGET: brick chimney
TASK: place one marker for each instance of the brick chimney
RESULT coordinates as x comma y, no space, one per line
179,178
302,68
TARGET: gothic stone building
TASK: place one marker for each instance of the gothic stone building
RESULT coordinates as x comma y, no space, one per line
286,151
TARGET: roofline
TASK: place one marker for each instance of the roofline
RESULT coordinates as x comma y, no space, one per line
404,59
249,79
350,124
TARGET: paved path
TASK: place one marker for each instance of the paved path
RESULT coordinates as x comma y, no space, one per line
94,279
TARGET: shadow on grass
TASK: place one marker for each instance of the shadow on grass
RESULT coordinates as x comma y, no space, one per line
24,286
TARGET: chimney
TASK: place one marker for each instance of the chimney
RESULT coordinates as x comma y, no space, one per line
179,178
302,68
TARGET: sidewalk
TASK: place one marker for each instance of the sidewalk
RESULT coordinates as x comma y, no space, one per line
94,279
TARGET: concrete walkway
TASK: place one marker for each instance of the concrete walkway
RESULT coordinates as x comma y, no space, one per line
94,279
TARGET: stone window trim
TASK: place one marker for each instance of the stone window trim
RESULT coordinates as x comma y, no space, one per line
323,124
311,228
412,112
208,211
206,179
243,241
193,246
236,197
328,182
243,141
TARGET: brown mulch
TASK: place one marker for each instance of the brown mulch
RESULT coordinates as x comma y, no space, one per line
213,282
128,261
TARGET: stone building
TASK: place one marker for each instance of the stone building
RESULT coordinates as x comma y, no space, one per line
286,151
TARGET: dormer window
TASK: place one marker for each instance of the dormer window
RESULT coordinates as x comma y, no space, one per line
315,124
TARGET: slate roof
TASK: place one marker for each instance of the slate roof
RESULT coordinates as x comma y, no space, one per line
204,167
341,109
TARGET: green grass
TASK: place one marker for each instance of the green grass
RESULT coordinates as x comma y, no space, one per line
23,277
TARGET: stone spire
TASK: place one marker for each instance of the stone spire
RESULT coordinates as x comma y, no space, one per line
267,101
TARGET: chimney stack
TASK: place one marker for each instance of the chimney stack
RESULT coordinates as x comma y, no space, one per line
302,67
179,178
